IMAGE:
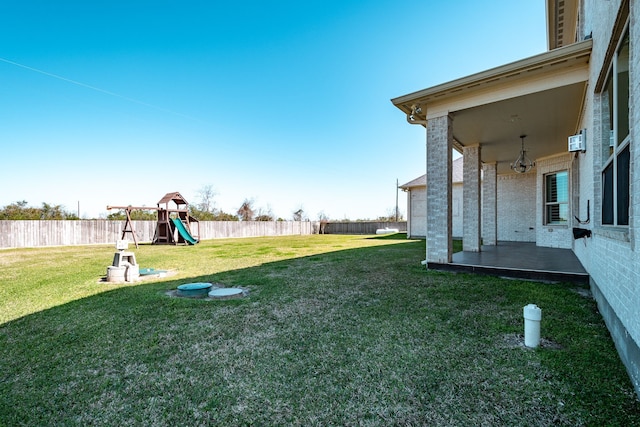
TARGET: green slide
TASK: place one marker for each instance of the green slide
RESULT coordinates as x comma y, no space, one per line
184,232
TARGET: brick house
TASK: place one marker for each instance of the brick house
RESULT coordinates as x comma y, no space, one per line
575,104
517,220
416,190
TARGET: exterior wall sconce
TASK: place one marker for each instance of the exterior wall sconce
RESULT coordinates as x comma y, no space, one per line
523,163
413,117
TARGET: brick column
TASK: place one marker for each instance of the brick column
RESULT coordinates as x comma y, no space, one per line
490,204
471,199
439,146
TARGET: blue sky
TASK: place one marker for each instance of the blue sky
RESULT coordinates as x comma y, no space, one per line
284,102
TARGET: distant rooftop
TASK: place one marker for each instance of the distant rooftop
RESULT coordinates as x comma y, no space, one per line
456,176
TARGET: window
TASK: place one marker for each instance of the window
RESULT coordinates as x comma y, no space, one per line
556,198
615,117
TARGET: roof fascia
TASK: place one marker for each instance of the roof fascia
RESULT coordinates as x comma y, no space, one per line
487,77
550,13
562,22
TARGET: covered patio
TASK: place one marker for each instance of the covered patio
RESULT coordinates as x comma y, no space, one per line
486,117
521,260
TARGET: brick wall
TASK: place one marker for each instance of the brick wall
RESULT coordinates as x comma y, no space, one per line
456,210
517,207
417,217
439,146
612,254
489,207
417,208
553,236
472,204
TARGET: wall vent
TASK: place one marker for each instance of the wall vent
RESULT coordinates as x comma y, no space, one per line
578,142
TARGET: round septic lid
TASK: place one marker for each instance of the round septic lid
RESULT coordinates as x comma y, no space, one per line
226,293
194,286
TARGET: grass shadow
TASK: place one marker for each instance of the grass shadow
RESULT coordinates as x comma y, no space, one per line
343,337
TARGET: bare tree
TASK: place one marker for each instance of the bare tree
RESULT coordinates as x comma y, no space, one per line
324,219
205,209
298,215
265,215
245,212
206,195
393,215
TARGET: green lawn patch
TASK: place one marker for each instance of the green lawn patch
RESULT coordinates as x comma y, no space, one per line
335,330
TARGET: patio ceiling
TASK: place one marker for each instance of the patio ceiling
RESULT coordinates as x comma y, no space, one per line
547,118
541,97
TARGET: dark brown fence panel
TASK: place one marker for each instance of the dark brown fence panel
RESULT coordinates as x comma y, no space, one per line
362,227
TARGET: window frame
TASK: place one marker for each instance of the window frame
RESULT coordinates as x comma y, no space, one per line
611,213
548,203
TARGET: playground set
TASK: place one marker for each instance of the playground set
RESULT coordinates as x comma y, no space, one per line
173,227
174,224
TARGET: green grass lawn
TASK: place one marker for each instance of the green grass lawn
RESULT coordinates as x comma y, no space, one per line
336,330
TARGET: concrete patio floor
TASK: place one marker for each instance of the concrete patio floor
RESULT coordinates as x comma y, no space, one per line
519,260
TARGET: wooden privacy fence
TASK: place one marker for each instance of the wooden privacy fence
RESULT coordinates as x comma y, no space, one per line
22,234
362,227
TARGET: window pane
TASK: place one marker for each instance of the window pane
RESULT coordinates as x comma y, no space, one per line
615,149
622,90
551,189
557,197
558,187
607,117
607,194
564,213
623,186
557,214
562,185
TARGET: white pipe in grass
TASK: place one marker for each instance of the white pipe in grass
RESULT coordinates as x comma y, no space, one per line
532,318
